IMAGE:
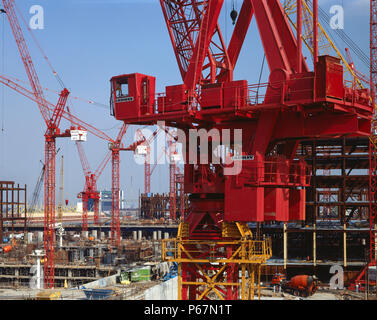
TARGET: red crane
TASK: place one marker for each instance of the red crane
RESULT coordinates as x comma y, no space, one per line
362,77
174,170
361,279
172,155
52,121
373,139
180,180
90,189
115,147
84,126
145,150
298,104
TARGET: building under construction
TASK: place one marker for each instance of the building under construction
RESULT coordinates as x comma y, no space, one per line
278,180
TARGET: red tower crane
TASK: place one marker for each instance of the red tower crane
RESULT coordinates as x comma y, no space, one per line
266,183
373,139
115,147
362,77
58,110
90,189
172,155
361,279
145,150
52,121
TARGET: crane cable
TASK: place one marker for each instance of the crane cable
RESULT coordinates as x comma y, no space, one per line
2,70
325,18
56,92
60,81
2,94
54,72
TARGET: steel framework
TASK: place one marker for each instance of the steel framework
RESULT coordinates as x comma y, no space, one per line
204,270
115,147
13,207
90,188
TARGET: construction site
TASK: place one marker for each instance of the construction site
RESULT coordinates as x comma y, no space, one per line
270,187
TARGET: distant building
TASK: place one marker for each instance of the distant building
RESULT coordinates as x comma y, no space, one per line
79,207
105,200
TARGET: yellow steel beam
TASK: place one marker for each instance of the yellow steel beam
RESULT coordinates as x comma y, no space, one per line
290,9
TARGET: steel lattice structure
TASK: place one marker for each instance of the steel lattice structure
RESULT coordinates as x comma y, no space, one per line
373,139
297,104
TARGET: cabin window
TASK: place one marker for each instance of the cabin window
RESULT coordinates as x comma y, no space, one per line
121,88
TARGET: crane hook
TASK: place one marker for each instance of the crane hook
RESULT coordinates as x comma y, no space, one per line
234,14
2,11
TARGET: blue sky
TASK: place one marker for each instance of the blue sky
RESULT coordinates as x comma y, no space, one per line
88,42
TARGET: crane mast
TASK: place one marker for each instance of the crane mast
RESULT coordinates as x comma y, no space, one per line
115,148
61,190
265,181
373,138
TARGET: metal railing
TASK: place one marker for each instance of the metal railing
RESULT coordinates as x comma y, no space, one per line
203,251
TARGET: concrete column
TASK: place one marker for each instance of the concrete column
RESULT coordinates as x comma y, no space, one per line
159,235
29,237
154,235
140,234
16,276
94,234
166,235
60,241
82,254
134,234
285,244
109,234
40,237
84,234
102,235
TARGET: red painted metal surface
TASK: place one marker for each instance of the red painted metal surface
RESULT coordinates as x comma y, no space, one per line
142,140
52,120
115,148
372,144
115,226
273,117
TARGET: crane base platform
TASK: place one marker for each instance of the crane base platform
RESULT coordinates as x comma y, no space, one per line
224,269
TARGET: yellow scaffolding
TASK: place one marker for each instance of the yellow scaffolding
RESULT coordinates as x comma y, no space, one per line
325,45
225,269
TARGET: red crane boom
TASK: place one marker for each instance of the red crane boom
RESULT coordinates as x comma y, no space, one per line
52,121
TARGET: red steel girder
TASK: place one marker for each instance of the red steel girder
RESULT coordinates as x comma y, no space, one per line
9,6
115,147
372,145
65,113
49,192
195,35
49,207
115,224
